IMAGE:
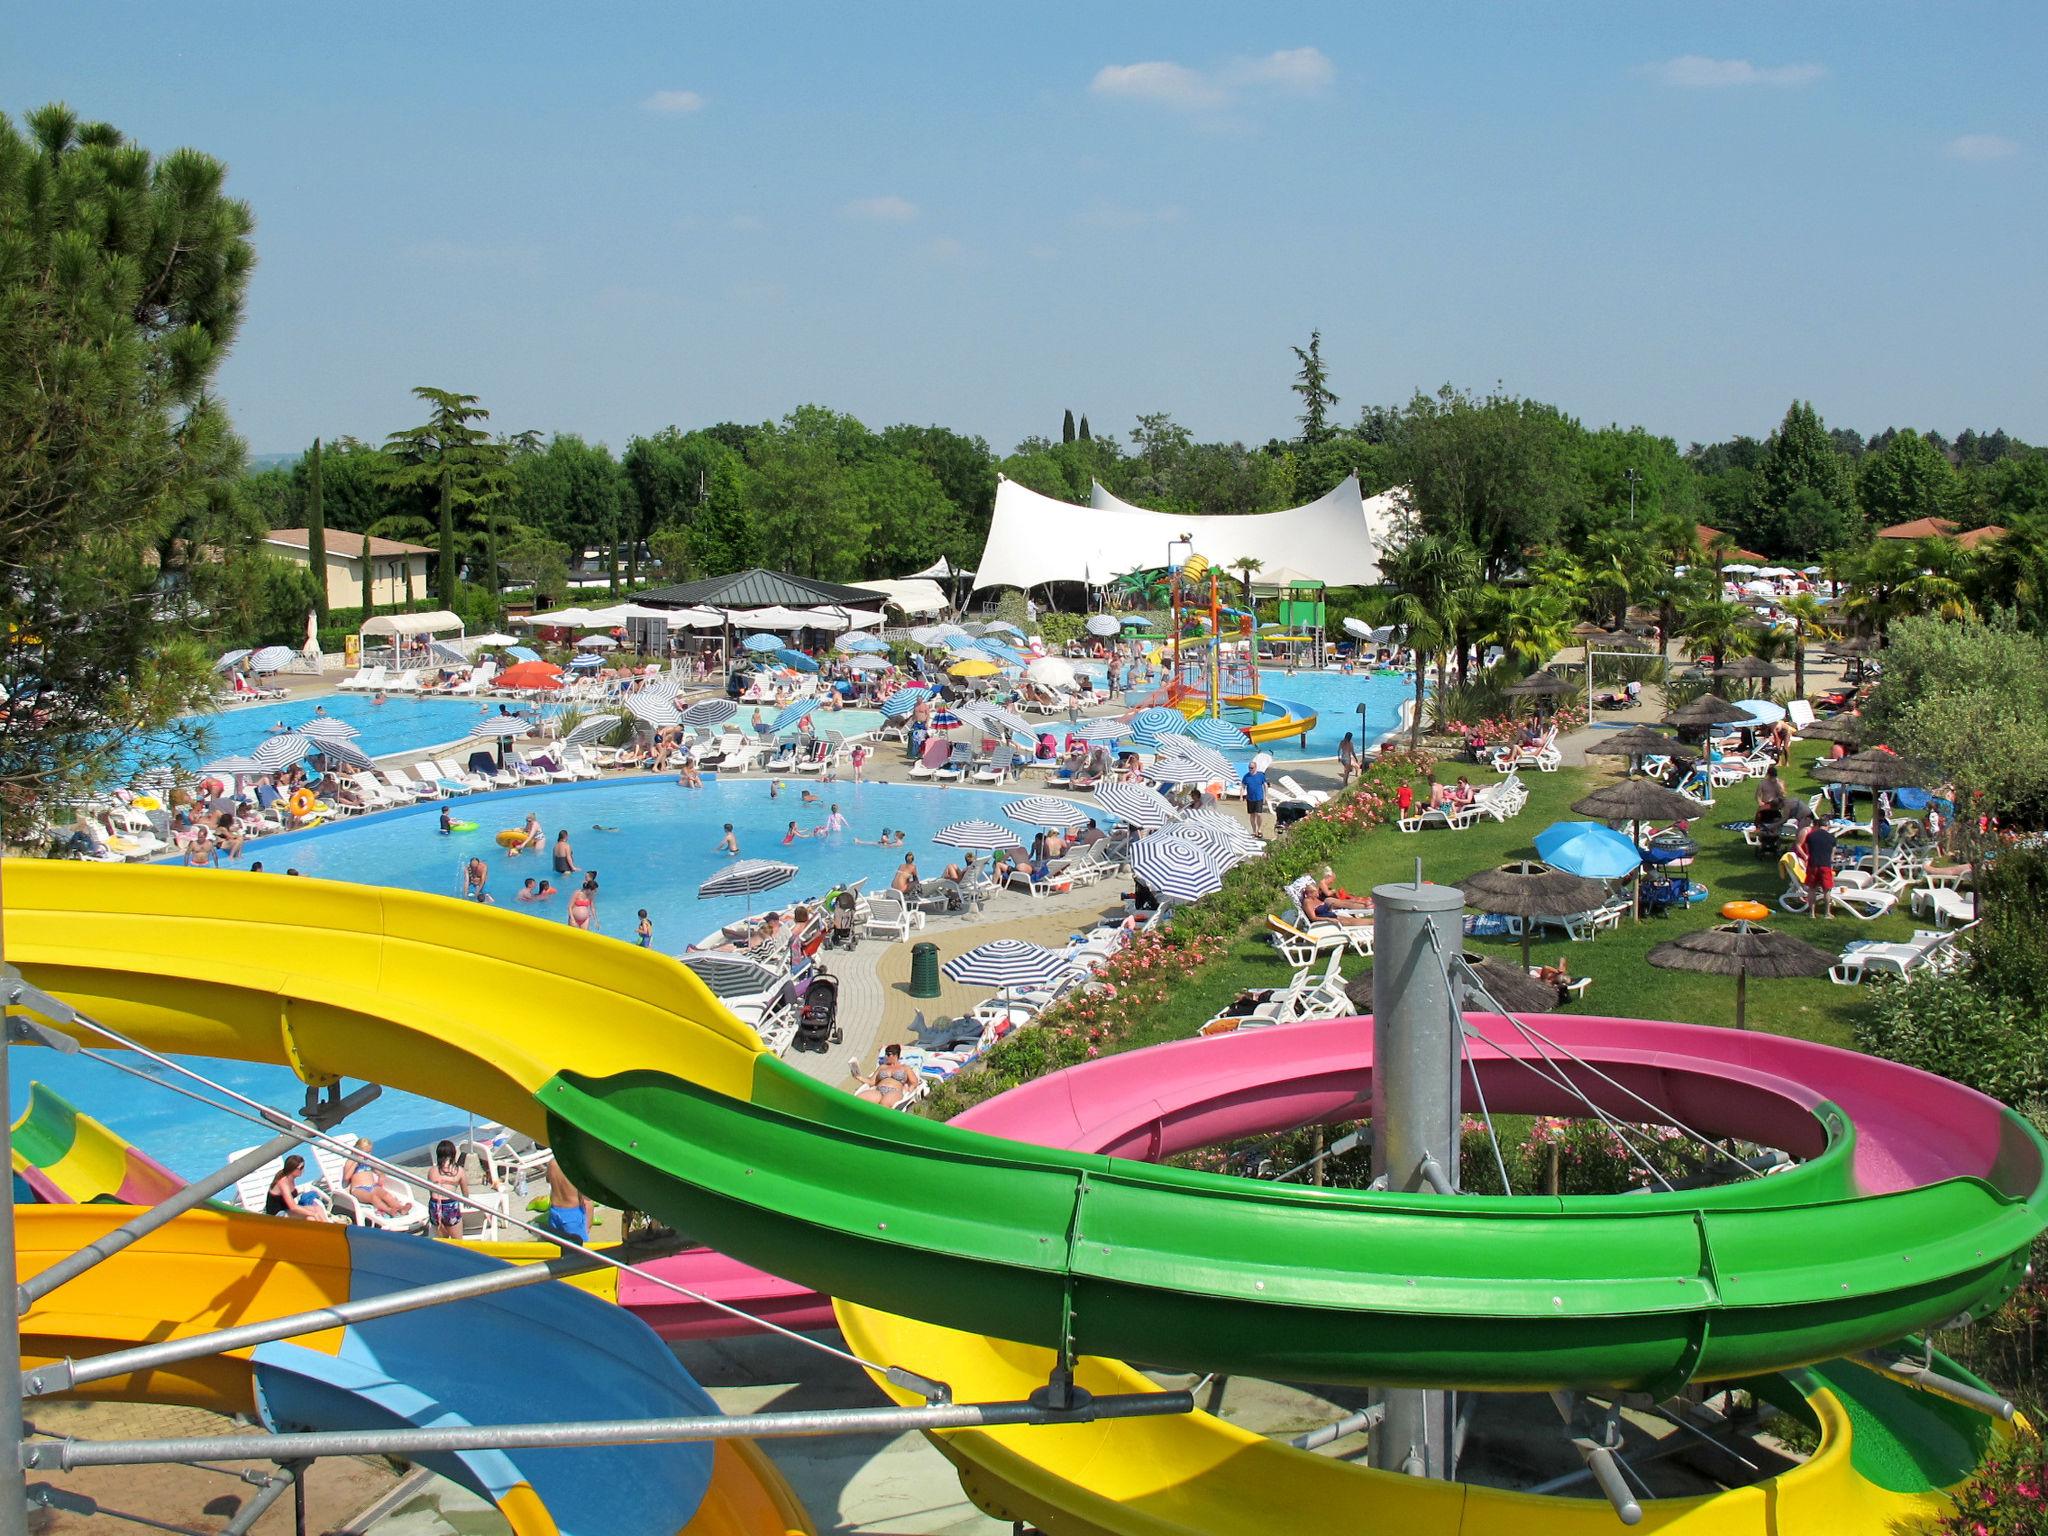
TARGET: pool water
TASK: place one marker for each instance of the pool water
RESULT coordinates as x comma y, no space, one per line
665,845
1335,698
398,725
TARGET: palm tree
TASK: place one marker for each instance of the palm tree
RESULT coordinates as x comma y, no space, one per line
1674,547
2013,571
1717,627
1433,578
1809,616
1244,568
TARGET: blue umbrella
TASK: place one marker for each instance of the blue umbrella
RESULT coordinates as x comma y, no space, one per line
903,701
867,643
1221,734
1763,711
1587,848
796,659
763,643
522,653
1176,868
1005,624
793,714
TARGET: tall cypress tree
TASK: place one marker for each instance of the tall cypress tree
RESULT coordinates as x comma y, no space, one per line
316,531
1067,428
1084,430
369,585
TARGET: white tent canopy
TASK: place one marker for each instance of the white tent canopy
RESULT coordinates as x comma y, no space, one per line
769,618
1033,538
913,594
843,618
438,622
941,568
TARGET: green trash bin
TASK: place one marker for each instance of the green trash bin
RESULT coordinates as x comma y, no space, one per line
924,970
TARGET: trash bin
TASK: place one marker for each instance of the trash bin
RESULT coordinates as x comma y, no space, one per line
924,969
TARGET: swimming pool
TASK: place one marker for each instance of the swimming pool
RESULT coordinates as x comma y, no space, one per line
1336,698
665,845
400,724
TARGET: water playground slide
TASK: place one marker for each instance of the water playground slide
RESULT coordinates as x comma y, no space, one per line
66,1158
529,1355
656,1098
1885,1450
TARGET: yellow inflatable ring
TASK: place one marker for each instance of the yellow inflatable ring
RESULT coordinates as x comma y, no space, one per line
511,837
302,802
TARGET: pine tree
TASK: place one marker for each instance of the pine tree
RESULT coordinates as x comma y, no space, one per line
316,531
1067,428
1312,383
1085,437
462,465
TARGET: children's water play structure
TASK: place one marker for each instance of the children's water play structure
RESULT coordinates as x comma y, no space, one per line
1014,1256
1213,660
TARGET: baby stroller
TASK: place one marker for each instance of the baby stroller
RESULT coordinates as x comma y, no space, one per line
844,931
817,1023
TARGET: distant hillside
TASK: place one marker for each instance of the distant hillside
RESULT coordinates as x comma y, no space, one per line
274,460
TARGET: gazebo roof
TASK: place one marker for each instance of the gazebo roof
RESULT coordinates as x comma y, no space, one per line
756,588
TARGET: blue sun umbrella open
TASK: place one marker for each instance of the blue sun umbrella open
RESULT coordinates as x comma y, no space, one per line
1587,848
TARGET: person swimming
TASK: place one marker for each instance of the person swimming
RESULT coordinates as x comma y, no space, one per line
598,826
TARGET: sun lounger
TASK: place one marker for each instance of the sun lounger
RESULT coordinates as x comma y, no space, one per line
366,680
405,682
1946,904
1855,892
1931,949
1292,791
1302,943
406,788
889,917
1456,817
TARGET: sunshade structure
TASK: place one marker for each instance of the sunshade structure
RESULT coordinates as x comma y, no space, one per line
485,641
272,658
1761,711
530,674
229,658
1008,719
659,709
1105,624
757,588
1741,949
793,714
903,701
1227,842
763,644
282,750
499,728
596,643
1050,672
346,753
974,666
1707,710
1529,891
1749,668
749,878
1010,965
1541,684
1151,724
327,728
1042,811
1139,804
1635,743
796,660
987,835
1220,734
1847,729
870,663
557,618
1589,849
1193,763
1003,624
1511,988
1100,732
709,712
1636,801
522,653
594,728
1177,869
1877,769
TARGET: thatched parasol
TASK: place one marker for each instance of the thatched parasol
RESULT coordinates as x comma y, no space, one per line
1847,729
1542,683
1876,769
1528,891
1708,709
1637,741
1513,989
1637,801
1588,630
1741,949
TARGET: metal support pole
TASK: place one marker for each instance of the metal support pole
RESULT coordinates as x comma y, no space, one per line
1365,1419
1415,1110
63,1375
189,1198
67,1455
1917,1373
267,1493
1596,1438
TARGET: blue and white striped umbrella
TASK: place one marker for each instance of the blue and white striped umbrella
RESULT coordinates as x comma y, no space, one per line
796,659
1042,811
1104,624
1024,741
847,643
659,709
1008,719
1222,824
977,834
327,728
1229,846
346,753
282,750
1157,722
903,701
232,767
708,711
1139,804
229,658
1168,769
594,728
499,728
763,642
272,658
747,877
522,653
1220,734
1176,868
1180,750
870,663
1008,964
924,634
1003,624
1097,732
793,714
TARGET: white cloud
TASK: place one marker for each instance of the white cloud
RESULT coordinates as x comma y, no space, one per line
887,209
1695,72
673,103
1163,83
1981,146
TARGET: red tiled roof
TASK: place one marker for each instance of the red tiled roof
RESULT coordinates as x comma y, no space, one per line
1919,528
1988,534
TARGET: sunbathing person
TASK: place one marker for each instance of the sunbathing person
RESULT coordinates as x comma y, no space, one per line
891,1083
367,1185
285,1198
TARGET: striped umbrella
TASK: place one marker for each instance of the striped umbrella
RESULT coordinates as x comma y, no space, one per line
498,728
1042,811
869,663
1008,719
903,701
924,634
229,658
282,750
1003,624
1104,624
708,711
977,834
747,877
1220,734
522,653
868,643
1179,753
1008,964
231,767
763,642
946,720
1175,868
596,728
1223,825
1228,847
272,658
1139,804
327,728
796,660
1158,721
1099,731
659,709
847,643
793,714
346,753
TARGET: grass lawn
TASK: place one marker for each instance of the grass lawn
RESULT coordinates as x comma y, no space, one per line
1624,983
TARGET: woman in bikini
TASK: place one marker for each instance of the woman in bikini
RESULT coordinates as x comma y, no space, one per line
893,1081
366,1185
448,1177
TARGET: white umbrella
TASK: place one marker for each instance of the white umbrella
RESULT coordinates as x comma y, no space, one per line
870,664
230,658
596,643
272,658
1104,624
491,639
1051,672
327,728
1358,629
561,618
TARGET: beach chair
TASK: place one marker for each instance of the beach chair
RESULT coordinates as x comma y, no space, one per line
1455,817
1931,949
1303,943
1799,713
889,917
430,773
450,773
410,789
1855,891
406,682
331,1165
377,795
1946,904
1292,791
366,680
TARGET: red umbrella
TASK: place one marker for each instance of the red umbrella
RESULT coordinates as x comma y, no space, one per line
530,674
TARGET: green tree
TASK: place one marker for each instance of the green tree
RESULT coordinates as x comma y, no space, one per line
2012,572
802,509
1908,478
1312,383
355,487
122,278
316,531
455,461
1086,436
1499,474
1811,620
1432,579
369,582
1800,458
912,520
1067,428
1247,567
538,563
572,492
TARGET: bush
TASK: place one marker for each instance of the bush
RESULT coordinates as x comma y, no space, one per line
1955,1027
2007,1495
1061,629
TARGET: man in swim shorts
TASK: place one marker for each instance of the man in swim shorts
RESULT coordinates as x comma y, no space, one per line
568,1207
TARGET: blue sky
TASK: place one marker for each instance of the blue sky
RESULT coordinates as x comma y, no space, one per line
605,219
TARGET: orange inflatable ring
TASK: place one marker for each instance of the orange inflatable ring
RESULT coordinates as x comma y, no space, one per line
302,802
1745,911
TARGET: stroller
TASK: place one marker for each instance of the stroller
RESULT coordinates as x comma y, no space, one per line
817,1025
844,932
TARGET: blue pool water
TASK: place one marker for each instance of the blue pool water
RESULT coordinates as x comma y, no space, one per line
665,847
398,725
1335,698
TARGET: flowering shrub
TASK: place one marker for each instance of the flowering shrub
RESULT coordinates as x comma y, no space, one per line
2007,1495
1504,728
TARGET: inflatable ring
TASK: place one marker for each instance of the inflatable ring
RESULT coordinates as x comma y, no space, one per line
511,837
461,826
1745,911
302,802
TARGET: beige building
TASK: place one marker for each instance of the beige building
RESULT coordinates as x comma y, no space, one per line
391,561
